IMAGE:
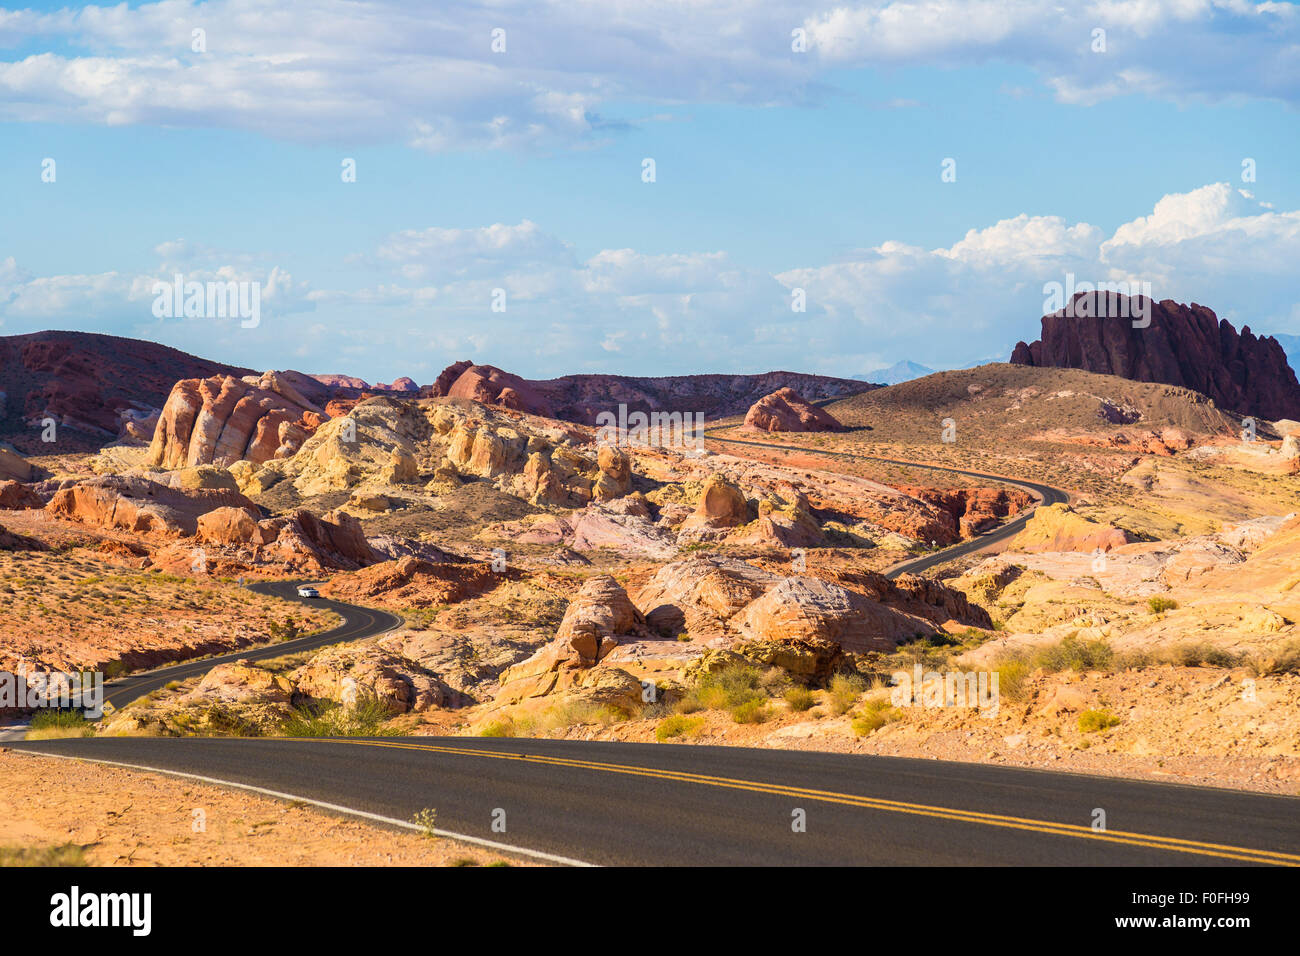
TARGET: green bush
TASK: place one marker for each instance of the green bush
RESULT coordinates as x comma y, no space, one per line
1092,721
750,712
1013,678
52,724
498,728
1072,654
1202,655
1283,659
368,718
1158,604
844,691
724,689
676,726
799,698
874,715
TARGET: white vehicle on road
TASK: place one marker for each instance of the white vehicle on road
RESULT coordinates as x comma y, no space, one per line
308,592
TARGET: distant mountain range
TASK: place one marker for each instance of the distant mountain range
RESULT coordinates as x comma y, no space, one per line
903,371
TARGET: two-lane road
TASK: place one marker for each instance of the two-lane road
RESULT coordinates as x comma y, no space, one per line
1046,495
358,623
663,804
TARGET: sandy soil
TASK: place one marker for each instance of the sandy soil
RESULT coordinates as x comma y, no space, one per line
125,818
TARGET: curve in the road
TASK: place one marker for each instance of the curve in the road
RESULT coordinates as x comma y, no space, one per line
1046,495
664,804
358,623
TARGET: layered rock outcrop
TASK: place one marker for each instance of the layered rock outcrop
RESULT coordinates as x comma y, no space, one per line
598,620
1184,345
720,600
1060,528
143,506
785,410
490,386
224,419
972,510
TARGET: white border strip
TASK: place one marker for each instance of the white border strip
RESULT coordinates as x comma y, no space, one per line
379,818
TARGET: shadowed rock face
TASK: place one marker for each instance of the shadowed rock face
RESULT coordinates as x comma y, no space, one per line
97,387
1184,345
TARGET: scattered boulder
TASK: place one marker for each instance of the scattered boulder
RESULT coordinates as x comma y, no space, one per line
14,466
786,411
722,505
345,673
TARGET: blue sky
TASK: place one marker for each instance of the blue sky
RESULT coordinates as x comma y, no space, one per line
521,170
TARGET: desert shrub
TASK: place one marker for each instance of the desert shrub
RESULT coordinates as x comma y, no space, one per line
1201,654
753,711
573,713
498,728
843,692
1159,604
677,725
774,681
427,821
1092,721
1013,678
874,715
67,854
724,689
1074,654
368,718
799,698
51,724
1281,659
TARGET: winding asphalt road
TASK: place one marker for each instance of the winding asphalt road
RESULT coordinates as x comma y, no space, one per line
1046,495
665,804
358,623
660,804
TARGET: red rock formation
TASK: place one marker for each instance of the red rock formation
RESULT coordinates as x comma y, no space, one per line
490,386
223,419
15,496
1183,345
972,510
786,411
581,398
141,505
94,386
342,381
301,541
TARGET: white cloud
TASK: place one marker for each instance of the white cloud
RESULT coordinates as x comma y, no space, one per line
638,313
381,70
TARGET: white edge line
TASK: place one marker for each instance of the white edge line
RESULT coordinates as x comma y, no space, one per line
337,808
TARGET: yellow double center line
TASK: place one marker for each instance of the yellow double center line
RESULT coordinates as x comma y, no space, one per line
1172,844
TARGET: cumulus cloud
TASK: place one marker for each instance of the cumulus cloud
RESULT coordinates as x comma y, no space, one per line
431,294
381,70
949,306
